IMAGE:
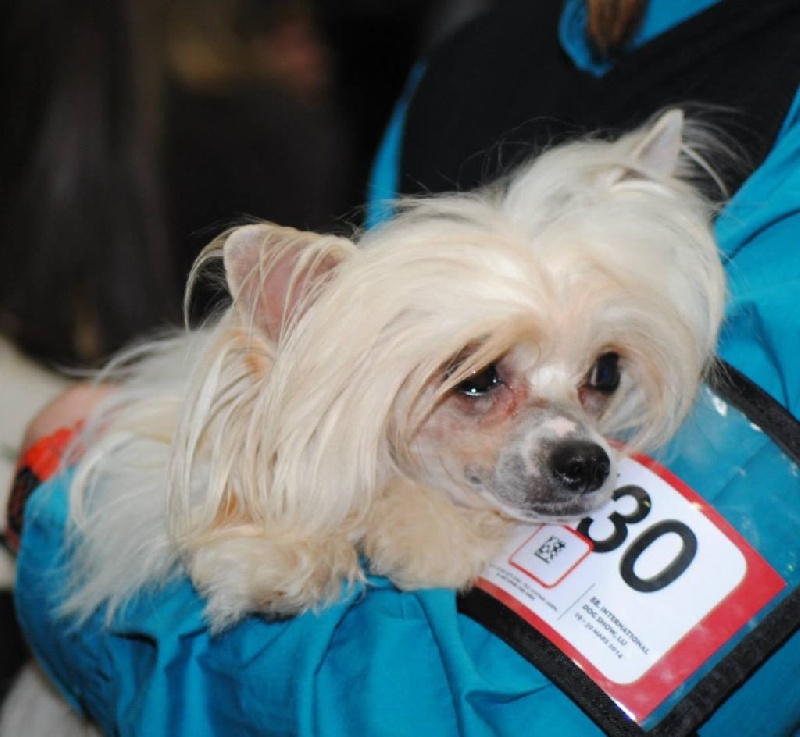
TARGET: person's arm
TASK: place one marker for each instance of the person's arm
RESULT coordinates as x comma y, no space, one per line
68,408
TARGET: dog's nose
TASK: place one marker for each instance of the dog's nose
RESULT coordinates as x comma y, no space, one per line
580,465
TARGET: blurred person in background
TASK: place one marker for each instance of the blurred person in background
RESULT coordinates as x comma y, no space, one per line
132,133
132,126
82,230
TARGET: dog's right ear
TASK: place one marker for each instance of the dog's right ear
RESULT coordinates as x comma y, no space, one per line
658,153
272,271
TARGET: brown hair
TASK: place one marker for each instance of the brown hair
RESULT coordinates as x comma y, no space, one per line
611,22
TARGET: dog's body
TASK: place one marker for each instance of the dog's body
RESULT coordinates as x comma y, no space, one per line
411,399
408,399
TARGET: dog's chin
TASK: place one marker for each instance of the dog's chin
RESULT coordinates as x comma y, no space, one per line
557,512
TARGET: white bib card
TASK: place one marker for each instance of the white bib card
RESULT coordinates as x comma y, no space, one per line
641,594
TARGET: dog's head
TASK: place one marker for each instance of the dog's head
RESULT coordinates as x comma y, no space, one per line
491,345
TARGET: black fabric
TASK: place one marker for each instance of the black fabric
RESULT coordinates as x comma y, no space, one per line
504,87
770,415
730,673
12,648
24,484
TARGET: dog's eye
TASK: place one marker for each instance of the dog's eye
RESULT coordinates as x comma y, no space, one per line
480,383
605,374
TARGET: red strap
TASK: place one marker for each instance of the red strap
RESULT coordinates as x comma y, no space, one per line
38,463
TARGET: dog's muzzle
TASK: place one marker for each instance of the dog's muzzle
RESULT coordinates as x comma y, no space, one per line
551,478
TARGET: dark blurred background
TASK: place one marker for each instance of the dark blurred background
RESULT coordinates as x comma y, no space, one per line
135,130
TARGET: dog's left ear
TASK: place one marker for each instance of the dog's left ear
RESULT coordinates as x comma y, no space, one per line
657,154
272,270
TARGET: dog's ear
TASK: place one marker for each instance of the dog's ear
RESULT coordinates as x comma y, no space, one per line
656,155
271,270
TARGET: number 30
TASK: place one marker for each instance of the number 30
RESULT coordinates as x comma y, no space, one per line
667,575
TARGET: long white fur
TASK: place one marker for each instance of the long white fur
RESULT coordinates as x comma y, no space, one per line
262,458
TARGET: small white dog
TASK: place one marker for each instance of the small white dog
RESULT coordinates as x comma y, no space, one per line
408,399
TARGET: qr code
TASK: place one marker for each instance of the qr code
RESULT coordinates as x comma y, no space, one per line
548,551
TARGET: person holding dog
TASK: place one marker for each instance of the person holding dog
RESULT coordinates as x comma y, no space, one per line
519,77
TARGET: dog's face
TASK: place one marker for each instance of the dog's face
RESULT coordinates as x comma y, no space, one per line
491,346
520,434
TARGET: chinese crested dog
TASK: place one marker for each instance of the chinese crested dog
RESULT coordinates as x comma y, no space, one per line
475,361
